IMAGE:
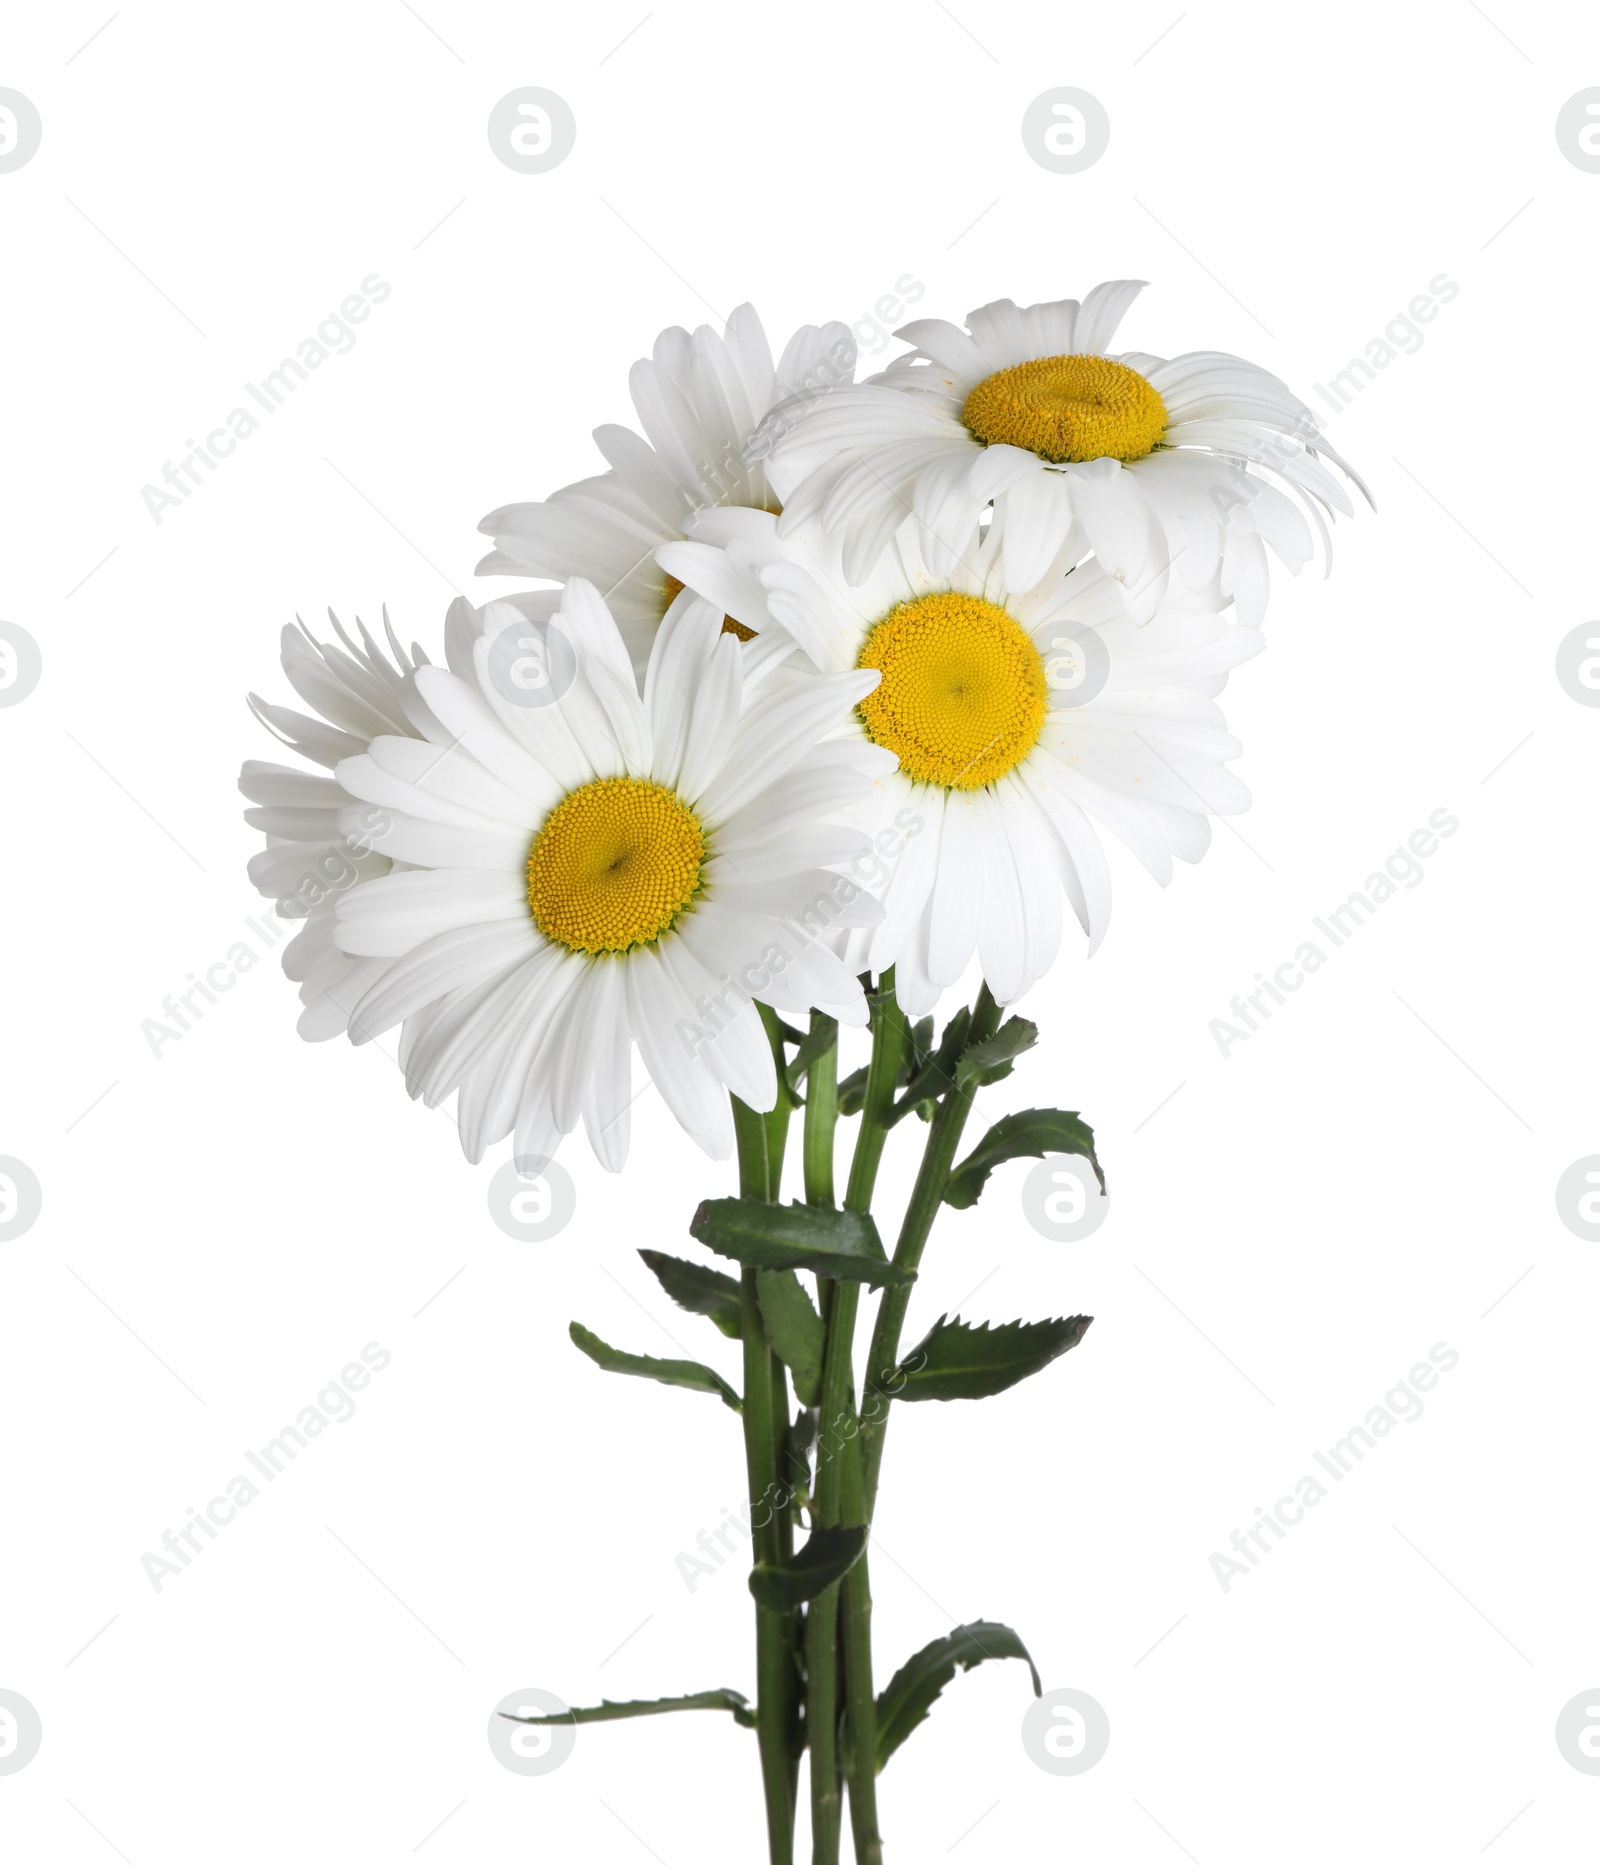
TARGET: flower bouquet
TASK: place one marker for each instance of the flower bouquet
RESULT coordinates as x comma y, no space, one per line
837,687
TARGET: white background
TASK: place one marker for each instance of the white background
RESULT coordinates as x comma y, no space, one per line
1297,1225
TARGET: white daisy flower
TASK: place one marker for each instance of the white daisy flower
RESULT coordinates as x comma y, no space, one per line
310,859
1017,721
700,400
1143,461
577,873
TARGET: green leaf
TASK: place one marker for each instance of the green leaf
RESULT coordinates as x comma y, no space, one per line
828,1555
609,1712
842,1244
958,1361
1031,1134
669,1372
699,1288
991,1060
852,1093
956,1064
794,1329
936,1075
917,1685
818,1040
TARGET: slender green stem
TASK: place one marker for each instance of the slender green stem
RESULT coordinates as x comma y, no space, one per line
775,1135
847,1609
883,1073
822,1621
775,1125
750,1137
760,1141
861,1707
822,1117
785,1508
821,1121
772,1653
944,1137
864,1465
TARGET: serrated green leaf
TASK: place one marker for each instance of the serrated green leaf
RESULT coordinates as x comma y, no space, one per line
609,1712
828,1555
917,1685
991,1060
688,1373
841,1244
794,1330
936,1075
956,1360
699,1288
1031,1134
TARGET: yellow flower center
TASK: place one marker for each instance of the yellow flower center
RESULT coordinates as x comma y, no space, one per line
963,695
616,864
1068,408
671,589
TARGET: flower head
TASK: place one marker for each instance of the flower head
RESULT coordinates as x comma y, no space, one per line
1163,468
700,400
565,869
1018,719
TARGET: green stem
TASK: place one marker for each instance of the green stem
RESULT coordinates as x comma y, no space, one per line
760,1141
822,1620
844,1624
822,1116
944,1137
861,1706
768,1186
883,1074
821,1121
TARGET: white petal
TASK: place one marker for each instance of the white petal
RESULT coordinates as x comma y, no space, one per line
386,917
465,956
957,889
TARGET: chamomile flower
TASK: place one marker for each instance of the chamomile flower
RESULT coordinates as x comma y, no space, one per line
1018,721
1163,468
579,869
700,399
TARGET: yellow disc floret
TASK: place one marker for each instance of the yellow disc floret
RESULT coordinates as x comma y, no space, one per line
1068,408
616,864
963,695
